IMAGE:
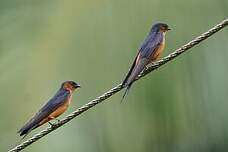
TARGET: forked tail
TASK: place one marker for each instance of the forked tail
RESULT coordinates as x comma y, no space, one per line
126,92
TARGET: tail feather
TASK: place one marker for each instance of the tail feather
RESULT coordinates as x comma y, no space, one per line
126,92
27,128
25,131
135,70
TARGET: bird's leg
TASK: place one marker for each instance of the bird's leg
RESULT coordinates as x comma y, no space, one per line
57,120
51,124
50,118
54,119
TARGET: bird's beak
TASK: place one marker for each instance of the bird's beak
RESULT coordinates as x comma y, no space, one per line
168,29
77,86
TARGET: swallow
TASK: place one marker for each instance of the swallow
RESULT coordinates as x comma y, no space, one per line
56,106
150,50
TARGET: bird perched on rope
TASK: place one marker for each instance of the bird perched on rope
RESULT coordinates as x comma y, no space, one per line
149,52
56,106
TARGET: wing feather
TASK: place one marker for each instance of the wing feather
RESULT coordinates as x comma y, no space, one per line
45,111
147,49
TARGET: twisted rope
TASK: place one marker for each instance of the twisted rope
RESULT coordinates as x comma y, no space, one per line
119,87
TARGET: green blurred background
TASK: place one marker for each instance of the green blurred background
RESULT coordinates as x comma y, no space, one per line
182,107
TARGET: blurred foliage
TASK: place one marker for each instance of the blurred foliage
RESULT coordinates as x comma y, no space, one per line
180,107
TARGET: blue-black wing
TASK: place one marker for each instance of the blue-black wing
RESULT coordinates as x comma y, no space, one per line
147,49
60,97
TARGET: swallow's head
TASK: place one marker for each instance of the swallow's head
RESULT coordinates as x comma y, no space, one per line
160,27
70,85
